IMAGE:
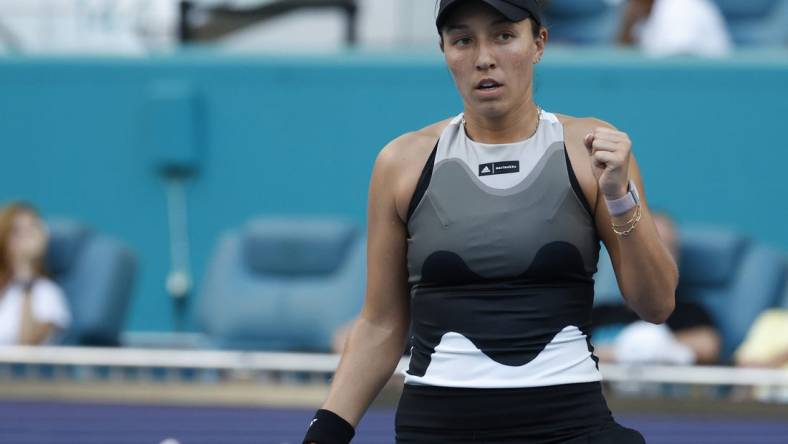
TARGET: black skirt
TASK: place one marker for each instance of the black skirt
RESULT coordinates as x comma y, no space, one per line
566,414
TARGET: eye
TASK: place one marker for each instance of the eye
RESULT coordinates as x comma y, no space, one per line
504,36
464,41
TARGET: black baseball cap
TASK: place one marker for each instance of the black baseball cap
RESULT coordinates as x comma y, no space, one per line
514,10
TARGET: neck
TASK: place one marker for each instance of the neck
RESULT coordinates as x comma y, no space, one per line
516,125
24,271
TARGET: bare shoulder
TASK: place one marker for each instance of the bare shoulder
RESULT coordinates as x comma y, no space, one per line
580,126
411,146
401,161
575,131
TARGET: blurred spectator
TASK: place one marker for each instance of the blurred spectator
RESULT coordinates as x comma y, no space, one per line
32,307
688,337
676,27
766,344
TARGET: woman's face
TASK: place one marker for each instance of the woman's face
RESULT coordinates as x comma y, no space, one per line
28,238
490,58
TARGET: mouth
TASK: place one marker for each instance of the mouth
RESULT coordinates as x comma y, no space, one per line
488,85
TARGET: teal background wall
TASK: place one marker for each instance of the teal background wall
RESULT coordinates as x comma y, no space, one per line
298,135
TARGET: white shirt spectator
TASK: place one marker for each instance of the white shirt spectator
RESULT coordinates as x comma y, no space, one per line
693,27
48,305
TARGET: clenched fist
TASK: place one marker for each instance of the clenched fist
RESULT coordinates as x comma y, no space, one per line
610,150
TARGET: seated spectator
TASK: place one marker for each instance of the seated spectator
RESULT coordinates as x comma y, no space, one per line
766,344
32,307
688,337
676,27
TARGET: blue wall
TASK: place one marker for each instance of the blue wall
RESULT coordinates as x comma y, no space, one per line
299,136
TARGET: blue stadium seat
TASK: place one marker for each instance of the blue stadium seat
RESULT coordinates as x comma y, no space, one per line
784,303
733,277
583,22
283,284
756,22
97,274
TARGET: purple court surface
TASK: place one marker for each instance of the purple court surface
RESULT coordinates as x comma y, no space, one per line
90,423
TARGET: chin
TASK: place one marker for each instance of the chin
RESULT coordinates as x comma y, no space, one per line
491,110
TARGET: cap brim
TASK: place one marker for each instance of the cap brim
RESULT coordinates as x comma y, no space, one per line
511,12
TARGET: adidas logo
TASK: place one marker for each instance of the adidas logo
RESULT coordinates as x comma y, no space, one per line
507,167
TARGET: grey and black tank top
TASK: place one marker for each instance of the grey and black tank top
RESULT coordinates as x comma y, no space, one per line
502,251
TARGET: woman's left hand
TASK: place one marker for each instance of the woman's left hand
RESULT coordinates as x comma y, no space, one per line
610,151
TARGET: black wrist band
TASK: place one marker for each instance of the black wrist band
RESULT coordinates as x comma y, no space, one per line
329,428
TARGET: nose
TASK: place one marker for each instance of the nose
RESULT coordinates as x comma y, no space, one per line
485,60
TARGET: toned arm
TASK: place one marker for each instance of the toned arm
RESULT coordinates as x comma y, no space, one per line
645,270
378,336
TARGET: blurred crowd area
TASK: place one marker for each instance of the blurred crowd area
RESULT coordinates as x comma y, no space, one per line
296,283
660,27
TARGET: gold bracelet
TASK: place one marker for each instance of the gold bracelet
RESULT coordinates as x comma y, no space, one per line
634,216
629,230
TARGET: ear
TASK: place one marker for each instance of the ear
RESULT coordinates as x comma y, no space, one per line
540,42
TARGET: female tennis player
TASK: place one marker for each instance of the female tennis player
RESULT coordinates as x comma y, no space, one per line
484,236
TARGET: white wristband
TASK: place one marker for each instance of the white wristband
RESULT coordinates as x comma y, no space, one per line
622,205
